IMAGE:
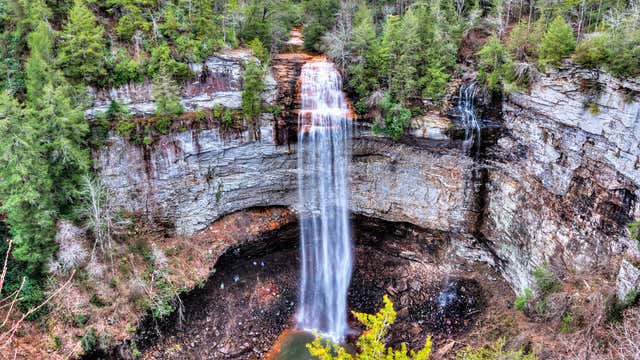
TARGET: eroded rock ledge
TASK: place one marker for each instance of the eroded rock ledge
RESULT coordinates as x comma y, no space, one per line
191,178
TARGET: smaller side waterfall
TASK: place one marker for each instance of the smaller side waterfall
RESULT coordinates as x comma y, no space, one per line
467,110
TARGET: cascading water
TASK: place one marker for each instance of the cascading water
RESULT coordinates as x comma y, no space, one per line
324,151
467,110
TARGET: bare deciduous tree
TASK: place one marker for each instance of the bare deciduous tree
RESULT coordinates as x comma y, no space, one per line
11,321
100,214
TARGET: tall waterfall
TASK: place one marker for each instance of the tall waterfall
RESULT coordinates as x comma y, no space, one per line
467,110
324,152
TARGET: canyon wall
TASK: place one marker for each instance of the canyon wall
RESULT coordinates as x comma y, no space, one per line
564,178
189,179
557,189
216,81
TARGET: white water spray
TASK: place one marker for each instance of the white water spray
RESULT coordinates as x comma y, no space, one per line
324,152
467,111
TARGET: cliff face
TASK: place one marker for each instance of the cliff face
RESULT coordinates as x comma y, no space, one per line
189,179
558,188
564,183
216,81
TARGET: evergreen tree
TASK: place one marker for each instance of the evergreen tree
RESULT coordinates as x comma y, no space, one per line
166,94
38,71
252,88
133,18
404,73
81,50
557,43
25,179
43,155
368,58
320,15
494,64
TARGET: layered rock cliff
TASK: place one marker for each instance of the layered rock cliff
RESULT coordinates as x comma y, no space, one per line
191,178
558,188
564,182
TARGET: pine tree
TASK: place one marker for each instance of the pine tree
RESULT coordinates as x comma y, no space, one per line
252,88
166,94
494,64
404,80
42,154
364,68
557,43
81,50
38,71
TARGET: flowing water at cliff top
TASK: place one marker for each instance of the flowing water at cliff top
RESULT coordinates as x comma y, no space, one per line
467,110
324,139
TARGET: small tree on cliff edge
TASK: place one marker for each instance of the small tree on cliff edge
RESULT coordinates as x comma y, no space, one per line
557,43
252,87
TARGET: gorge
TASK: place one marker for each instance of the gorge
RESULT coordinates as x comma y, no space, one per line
301,179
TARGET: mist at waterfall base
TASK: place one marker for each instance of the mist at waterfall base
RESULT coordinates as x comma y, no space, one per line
324,151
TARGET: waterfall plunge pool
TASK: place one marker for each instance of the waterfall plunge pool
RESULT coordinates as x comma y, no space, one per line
251,299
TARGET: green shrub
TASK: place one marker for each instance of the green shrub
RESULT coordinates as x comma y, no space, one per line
593,53
259,51
227,118
522,301
218,110
557,43
200,116
495,351
163,125
371,342
545,280
625,55
80,320
140,246
89,341
540,306
125,128
395,118
97,301
495,68
122,69
568,324
134,349
100,127
524,41
166,96
252,88
117,111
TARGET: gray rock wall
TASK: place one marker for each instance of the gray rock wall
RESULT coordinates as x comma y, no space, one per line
216,81
191,178
564,183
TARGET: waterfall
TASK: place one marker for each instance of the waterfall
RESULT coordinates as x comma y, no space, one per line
324,152
467,110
